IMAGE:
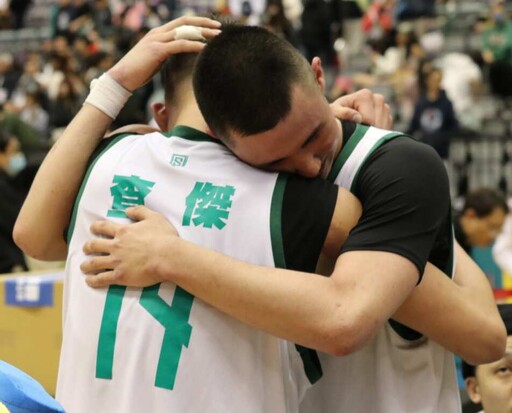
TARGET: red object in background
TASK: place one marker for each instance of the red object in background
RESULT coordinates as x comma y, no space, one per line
379,15
500,294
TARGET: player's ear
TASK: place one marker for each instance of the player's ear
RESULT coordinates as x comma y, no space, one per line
316,65
161,115
473,389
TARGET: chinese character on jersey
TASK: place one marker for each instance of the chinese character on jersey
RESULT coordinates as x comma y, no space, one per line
208,205
127,191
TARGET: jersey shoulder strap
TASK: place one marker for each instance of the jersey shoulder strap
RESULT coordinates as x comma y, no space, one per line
358,147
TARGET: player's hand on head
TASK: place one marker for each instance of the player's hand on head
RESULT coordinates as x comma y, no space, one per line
364,106
128,254
139,65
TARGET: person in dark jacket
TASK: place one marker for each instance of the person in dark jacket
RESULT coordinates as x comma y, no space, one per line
434,118
11,164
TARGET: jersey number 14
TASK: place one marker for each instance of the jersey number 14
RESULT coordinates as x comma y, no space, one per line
174,318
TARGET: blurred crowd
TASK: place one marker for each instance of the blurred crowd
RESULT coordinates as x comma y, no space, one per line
433,93
394,47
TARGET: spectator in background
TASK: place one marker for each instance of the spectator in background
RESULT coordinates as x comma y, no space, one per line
293,12
390,56
82,21
316,31
275,20
5,15
32,145
83,49
463,83
102,17
18,9
491,384
502,250
12,163
351,14
98,63
34,114
434,120
61,15
27,83
8,76
414,9
64,107
481,219
497,50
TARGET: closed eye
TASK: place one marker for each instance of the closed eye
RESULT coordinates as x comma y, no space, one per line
313,135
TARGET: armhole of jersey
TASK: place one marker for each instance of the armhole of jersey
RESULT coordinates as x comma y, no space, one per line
405,332
103,147
276,229
312,366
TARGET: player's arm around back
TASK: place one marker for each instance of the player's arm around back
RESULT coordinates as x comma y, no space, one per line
298,306
450,312
39,229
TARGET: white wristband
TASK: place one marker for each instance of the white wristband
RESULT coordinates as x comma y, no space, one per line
107,95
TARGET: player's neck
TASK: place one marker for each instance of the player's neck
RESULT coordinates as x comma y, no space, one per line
189,115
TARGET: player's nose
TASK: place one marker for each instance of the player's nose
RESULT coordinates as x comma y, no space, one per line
308,165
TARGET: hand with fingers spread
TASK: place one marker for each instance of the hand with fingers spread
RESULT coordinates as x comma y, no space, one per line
132,254
364,106
139,65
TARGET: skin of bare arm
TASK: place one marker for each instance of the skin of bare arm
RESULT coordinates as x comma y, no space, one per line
461,315
337,315
39,230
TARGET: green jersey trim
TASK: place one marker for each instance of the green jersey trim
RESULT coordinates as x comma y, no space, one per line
346,151
276,232
108,331
312,365
190,134
309,357
99,152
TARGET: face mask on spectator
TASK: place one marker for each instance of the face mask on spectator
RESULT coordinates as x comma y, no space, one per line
16,164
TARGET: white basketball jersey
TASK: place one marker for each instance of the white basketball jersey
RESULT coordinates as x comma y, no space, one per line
159,349
390,374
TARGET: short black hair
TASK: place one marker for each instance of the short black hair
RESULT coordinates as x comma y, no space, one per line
505,311
174,71
484,201
243,80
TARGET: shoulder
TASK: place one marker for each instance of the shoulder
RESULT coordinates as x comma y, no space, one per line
404,154
404,169
129,139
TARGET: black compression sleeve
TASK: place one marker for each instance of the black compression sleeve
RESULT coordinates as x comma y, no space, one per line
308,206
404,190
